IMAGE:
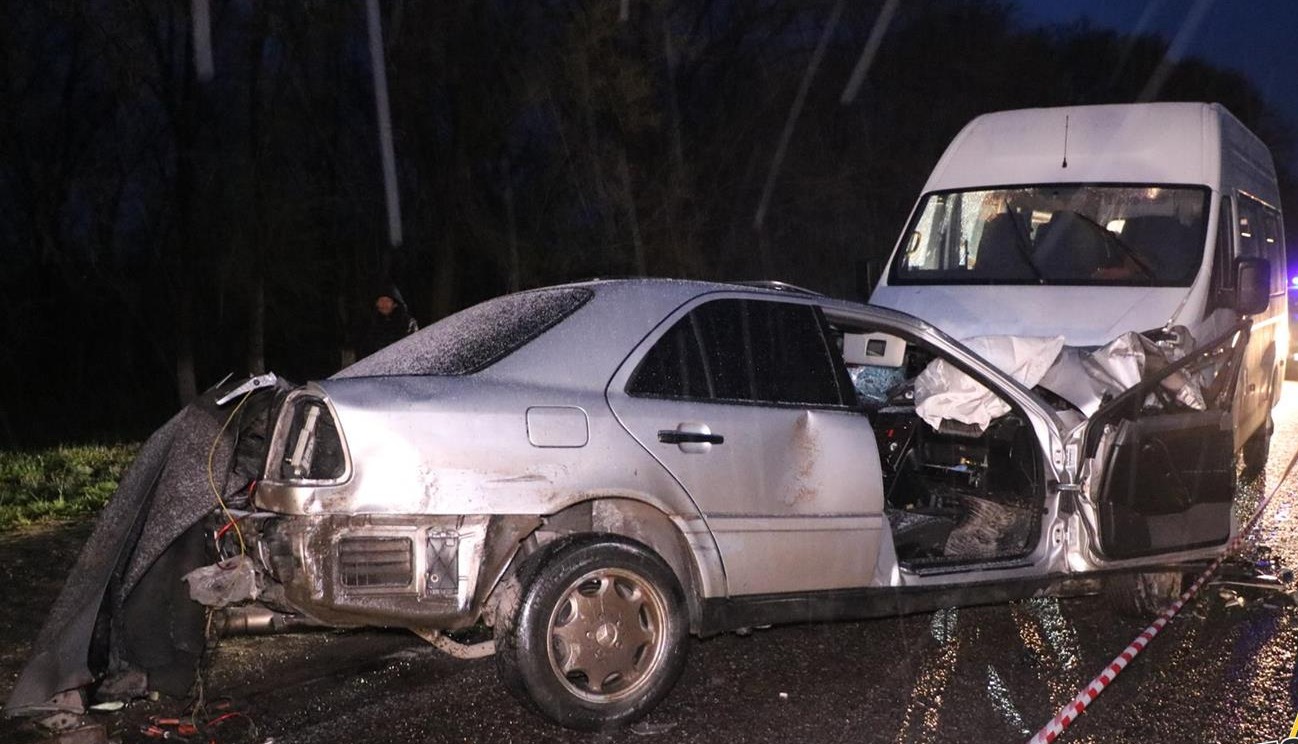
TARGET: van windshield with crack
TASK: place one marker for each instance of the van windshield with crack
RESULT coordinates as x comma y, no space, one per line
1057,234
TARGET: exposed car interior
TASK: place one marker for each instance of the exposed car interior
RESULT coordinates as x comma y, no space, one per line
954,495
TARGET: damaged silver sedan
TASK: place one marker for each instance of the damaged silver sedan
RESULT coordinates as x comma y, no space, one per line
598,470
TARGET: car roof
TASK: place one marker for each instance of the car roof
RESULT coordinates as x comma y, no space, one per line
585,348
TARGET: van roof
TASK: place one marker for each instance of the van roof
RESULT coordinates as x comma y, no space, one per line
1165,143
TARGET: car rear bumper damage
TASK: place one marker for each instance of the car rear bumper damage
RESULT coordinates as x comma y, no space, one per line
390,570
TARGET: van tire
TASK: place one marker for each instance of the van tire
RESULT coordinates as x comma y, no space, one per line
1257,449
1142,594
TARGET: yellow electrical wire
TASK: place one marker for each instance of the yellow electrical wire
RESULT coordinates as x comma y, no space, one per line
211,477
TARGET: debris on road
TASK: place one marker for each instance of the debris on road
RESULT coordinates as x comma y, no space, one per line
644,728
231,581
1257,578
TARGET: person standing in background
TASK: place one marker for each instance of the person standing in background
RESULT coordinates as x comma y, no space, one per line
389,321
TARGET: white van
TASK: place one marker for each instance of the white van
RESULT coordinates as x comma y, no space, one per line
1090,221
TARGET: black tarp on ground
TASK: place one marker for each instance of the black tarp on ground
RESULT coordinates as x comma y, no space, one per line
124,609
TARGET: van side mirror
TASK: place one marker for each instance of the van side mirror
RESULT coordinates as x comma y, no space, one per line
1252,285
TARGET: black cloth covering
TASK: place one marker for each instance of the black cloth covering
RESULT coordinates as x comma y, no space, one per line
124,609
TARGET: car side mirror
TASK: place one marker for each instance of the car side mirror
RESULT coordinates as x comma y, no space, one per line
1253,285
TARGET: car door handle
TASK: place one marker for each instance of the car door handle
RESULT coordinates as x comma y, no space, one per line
675,436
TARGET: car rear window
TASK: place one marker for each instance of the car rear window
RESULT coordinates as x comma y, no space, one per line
476,338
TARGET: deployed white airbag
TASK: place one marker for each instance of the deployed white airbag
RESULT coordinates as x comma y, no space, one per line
944,392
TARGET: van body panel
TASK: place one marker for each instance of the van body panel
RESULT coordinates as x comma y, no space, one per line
1192,143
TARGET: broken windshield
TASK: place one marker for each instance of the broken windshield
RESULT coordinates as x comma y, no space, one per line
1057,234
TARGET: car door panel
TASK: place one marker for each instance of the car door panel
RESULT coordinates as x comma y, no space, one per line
1169,485
793,496
792,493
1164,477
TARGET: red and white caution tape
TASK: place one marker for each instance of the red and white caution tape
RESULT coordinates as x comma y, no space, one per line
1075,707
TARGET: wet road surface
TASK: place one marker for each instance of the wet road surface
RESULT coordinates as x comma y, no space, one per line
1220,672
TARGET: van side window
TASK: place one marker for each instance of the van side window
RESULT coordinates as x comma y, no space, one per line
1273,237
1250,227
1260,236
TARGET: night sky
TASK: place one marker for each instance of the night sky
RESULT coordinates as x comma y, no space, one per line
1256,38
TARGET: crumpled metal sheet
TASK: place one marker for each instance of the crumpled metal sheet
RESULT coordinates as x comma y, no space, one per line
1088,378
943,391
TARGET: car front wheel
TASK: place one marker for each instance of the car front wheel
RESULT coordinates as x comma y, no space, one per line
598,636
1143,595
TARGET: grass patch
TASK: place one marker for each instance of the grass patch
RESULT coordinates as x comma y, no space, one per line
59,483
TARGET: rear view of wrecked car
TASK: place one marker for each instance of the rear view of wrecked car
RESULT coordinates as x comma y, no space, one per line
598,470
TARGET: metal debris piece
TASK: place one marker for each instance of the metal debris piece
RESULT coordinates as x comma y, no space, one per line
1260,577
454,648
1231,598
252,383
644,728
1275,586
231,581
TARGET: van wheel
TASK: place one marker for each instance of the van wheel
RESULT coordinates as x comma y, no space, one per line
1142,594
1257,449
598,637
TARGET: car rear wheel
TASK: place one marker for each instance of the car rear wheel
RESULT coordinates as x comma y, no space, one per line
598,636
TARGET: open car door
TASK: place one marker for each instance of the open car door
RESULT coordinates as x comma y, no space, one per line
1162,474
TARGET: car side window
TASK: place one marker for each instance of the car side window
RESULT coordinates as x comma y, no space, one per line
753,351
673,368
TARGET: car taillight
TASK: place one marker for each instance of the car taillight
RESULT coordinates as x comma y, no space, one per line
313,450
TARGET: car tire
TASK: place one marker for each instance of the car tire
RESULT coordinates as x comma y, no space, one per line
1142,594
598,635
1257,449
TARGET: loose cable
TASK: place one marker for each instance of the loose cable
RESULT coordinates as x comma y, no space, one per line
211,476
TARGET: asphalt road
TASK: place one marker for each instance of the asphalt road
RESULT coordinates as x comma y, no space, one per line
1221,672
